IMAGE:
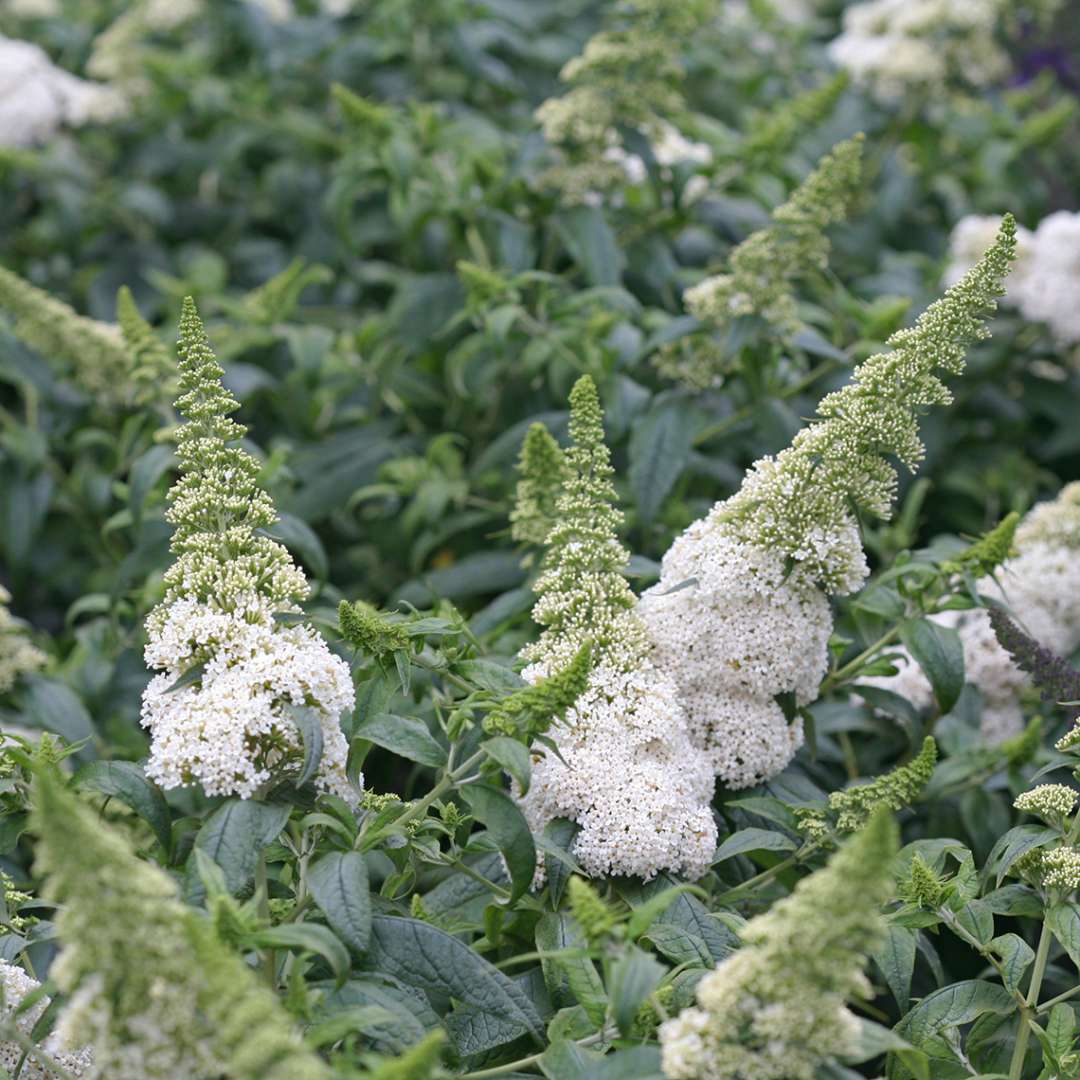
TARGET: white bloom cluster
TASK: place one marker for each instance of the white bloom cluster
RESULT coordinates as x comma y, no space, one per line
37,98
230,730
1045,283
119,50
15,985
17,654
629,774
34,9
739,633
1041,589
896,46
632,779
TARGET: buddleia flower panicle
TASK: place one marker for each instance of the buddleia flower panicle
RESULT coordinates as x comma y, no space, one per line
987,553
18,655
1055,868
94,353
534,708
774,133
369,631
152,992
762,268
627,76
741,612
854,806
542,472
231,725
154,372
15,987
276,299
595,918
923,887
1052,802
1032,620
776,1009
627,773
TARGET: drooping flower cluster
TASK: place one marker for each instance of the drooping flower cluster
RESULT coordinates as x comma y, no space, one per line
117,365
626,77
629,775
763,266
1045,283
18,655
15,985
153,992
1041,587
776,1009
741,615
250,686
37,98
897,47
853,807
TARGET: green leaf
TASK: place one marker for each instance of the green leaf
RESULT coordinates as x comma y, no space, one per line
309,725
634,976
1016,842
592,244
1060,1030
938,651
949,1007
53,706
405,736
513,756
302,540
978,920
895,958
752,840
508,828
305,937
339,884
646,913
489,676
1064,921
568,974
145,473
659,451
559,864
235,834
127,782
565,1060
1015,955
426,957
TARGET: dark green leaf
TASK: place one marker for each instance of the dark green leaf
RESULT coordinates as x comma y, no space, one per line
405,736
938,651
752,840
634,976
339,884
127,782
508,828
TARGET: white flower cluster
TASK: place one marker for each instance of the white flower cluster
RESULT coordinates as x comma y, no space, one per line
632,779
627,771
17,654
15,985
37,98
1044,285
897,46
1041,589
735,630
231,731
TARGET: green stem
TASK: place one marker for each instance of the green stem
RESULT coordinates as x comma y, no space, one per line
1047,1006
1027,1012
840,674
262,891
420,807
768,875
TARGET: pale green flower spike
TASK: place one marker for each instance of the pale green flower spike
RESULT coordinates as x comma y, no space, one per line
217,504
775,1010
93,352
154,371
856,805
774,132
276,299
17,655
582,592
800,502
541,474
924,886
153,992
762,268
